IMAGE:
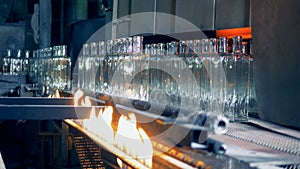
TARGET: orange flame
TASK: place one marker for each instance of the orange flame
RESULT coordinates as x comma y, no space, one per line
146,149
91,123
87,101
134,141
55,94
129,138
77,96
105,119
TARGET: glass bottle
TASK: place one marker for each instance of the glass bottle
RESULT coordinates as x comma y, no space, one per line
196,70
93,65
36,66
216,78
32,69
182,78
56,68
188,60
228,84
157,74
99,62
140,79
87,68
252,100
43,66
156,79
241,79
16,63
173,69
66,68
122,58
25,63
80,72
165,70
117,58
111,65
39,66
84,66
147,53
205,80
48,68
128,68
6,68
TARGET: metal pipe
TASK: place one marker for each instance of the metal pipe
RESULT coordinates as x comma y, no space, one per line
214,15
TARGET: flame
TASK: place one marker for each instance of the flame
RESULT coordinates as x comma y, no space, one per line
106,132
55,94
91,124
119,162
146,149
129,138
87,101
126,134
100,125
134,141
77,96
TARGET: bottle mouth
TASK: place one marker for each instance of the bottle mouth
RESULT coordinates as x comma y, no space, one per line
221,125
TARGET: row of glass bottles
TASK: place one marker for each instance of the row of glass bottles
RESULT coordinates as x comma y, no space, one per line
51,67
100,64
15,62
202,74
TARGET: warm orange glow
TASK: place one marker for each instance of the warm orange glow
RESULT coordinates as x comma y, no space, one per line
91,123
100,125
246,32
135,142
55,94
77,96
128,138
87,101
106,132
146,149
120,163
120,139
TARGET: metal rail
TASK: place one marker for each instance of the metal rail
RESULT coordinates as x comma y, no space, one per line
36,101
45,112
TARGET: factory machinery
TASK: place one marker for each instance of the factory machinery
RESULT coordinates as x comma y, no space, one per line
117,132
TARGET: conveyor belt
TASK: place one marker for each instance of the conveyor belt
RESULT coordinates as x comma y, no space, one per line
262,144
88,153
275,128
261,133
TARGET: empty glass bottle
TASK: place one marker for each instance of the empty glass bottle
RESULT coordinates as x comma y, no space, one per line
16,63
99,67
6,67
241,80
66,68
25,63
